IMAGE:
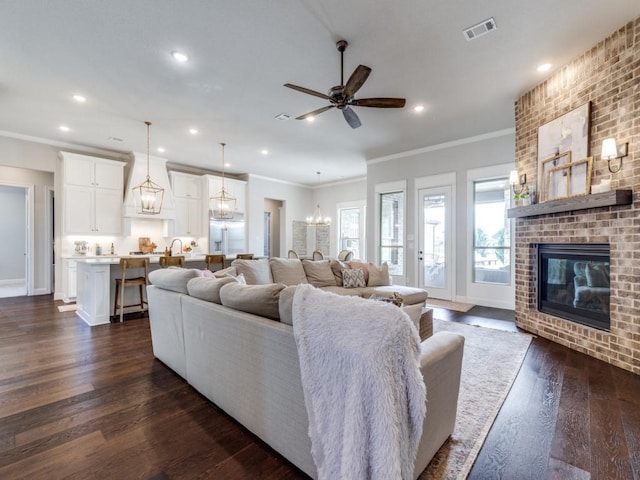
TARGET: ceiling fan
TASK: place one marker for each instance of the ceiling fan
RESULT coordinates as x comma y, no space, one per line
342,96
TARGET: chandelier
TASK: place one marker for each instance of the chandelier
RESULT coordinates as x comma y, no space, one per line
148,194
222,204
317,220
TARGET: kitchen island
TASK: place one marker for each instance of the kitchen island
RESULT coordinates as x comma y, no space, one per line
96,285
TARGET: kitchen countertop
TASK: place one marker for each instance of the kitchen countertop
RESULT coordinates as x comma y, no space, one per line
115,259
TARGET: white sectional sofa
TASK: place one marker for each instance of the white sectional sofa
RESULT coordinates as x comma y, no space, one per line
246,362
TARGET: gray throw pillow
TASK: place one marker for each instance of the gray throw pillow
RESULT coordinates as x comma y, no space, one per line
174,279
378,276
319,273
287,270
257,299
208,288
353,278
256,272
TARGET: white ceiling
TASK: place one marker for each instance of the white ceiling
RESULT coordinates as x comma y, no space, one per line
117,54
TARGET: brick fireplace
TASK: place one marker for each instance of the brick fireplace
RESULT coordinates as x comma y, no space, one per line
608,75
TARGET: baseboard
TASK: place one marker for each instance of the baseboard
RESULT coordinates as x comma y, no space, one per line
58,296
484,302
13,281
40,291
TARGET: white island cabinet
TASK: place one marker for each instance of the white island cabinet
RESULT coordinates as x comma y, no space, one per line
96,285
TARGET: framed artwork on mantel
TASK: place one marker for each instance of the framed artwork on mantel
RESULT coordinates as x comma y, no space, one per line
568,133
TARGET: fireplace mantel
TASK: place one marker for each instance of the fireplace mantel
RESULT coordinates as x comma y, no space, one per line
595,200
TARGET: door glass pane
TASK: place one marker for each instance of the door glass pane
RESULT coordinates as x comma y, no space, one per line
492,235
350,231
392,231
434,241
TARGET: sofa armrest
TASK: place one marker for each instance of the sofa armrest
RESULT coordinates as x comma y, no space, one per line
441,366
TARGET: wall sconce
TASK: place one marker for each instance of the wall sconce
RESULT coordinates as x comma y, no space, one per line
518,184
610,151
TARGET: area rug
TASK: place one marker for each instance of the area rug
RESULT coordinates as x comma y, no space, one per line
457,306
67,308
490,364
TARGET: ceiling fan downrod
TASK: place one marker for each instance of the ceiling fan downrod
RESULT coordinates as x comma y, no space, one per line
342,46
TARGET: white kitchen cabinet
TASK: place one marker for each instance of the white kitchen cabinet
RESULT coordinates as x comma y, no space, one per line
92,201
185,185
92,172
187,193
236,188
91,210
93,301
69,280
188,221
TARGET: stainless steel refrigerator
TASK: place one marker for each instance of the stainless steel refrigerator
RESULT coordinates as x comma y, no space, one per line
227,236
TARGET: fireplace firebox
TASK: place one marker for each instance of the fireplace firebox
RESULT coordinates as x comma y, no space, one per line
574,282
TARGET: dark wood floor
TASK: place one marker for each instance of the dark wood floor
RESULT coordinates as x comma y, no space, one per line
92,403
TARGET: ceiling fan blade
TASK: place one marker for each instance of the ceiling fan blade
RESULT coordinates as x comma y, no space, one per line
356,80
307,91
351,117
379,102
314,113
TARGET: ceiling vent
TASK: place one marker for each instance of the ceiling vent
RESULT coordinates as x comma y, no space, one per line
283,116
480,29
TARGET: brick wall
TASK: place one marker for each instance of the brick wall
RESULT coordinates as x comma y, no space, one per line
608,75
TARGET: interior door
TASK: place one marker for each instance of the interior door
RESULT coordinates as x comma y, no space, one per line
435,264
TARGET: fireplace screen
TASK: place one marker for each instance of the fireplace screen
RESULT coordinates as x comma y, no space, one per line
574,282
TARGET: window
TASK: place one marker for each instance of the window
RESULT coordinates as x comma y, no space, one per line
491,233
349,233
392,231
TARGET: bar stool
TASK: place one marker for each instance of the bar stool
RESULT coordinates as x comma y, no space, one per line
177,261
244,256
213,260
129,263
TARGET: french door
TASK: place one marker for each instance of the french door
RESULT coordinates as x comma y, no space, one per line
435,266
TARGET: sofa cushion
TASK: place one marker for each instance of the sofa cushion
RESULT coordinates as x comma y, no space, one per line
257,299
410,295
353,278
336,268
287,270
285,304
363,266
174,279
256,272
226,272
378,276
319,273
208,288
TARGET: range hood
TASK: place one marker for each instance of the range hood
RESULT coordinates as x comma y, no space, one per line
158,173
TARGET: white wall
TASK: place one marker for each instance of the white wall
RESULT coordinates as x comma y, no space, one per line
454,157
13,232
297,203
330,195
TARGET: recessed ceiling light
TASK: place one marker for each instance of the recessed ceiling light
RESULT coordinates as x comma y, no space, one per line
179,56
227,164
79,98
64,128
311,118
161,149
545,67
193,131
264,151
419,108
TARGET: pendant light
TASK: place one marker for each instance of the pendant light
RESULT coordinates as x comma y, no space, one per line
222,204
148,194
317,220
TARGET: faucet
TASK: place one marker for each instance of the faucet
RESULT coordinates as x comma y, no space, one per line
171,246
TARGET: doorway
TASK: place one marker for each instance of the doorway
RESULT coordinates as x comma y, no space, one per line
14,229
435,266
271,227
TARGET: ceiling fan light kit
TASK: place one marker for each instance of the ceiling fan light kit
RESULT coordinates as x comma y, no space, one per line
342,96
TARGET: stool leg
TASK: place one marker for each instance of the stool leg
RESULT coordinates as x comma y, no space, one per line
123,302
141,299
115,301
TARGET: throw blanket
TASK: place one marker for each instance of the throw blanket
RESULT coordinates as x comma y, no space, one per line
363,389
